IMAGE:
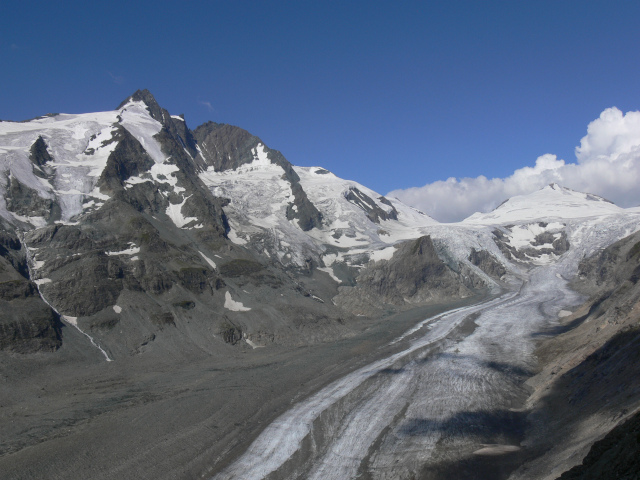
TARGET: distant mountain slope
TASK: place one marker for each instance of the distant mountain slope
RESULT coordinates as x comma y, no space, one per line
126,236
146,235
131,222
551,202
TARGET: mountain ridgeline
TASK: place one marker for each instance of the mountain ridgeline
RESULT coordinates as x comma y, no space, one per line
127,237
138,224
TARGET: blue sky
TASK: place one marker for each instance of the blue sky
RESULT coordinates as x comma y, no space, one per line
391,94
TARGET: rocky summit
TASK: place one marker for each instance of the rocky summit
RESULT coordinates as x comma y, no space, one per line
168,294
146,235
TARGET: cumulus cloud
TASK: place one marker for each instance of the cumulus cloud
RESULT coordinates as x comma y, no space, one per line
608,164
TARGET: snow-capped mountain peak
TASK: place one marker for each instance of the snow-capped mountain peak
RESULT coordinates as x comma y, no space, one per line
76,163
552,201
61,158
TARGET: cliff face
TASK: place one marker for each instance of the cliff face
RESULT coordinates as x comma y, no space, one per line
134,228
414,275
617,455
27,324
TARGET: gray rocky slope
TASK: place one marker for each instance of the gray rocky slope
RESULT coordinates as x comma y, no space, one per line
590,380
172,254
146,235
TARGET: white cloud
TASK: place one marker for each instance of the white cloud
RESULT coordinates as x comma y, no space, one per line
117,79
608,164
206,104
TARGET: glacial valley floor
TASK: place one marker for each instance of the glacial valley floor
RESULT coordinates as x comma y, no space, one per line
70,414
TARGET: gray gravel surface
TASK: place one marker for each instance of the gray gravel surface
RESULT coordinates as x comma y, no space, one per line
70,414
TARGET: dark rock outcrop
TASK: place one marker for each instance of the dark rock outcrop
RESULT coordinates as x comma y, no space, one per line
225,147
616,456
558,243
487,263
27,323
39,154
26,201
128,159
370,207
415,275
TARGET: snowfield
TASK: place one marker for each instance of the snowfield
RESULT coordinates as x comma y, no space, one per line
550,202
79,146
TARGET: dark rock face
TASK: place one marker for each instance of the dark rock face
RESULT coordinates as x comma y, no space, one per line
95,282
371,208
557,245
415,269
149,100
39,154
240,267
487,263
27,324
176,129
128,159
244,271
11,251
26,201
306,213
179,144
87,283
508,251
616,456
614,266
414,275
230,333
225,147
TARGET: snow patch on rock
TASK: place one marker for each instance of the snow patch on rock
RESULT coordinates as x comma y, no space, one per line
232,305
329,270
132,250
72,320
208,260
174,212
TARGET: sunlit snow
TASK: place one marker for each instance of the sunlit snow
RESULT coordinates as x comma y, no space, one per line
553,201
232,305
132,250
174,211
208,260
